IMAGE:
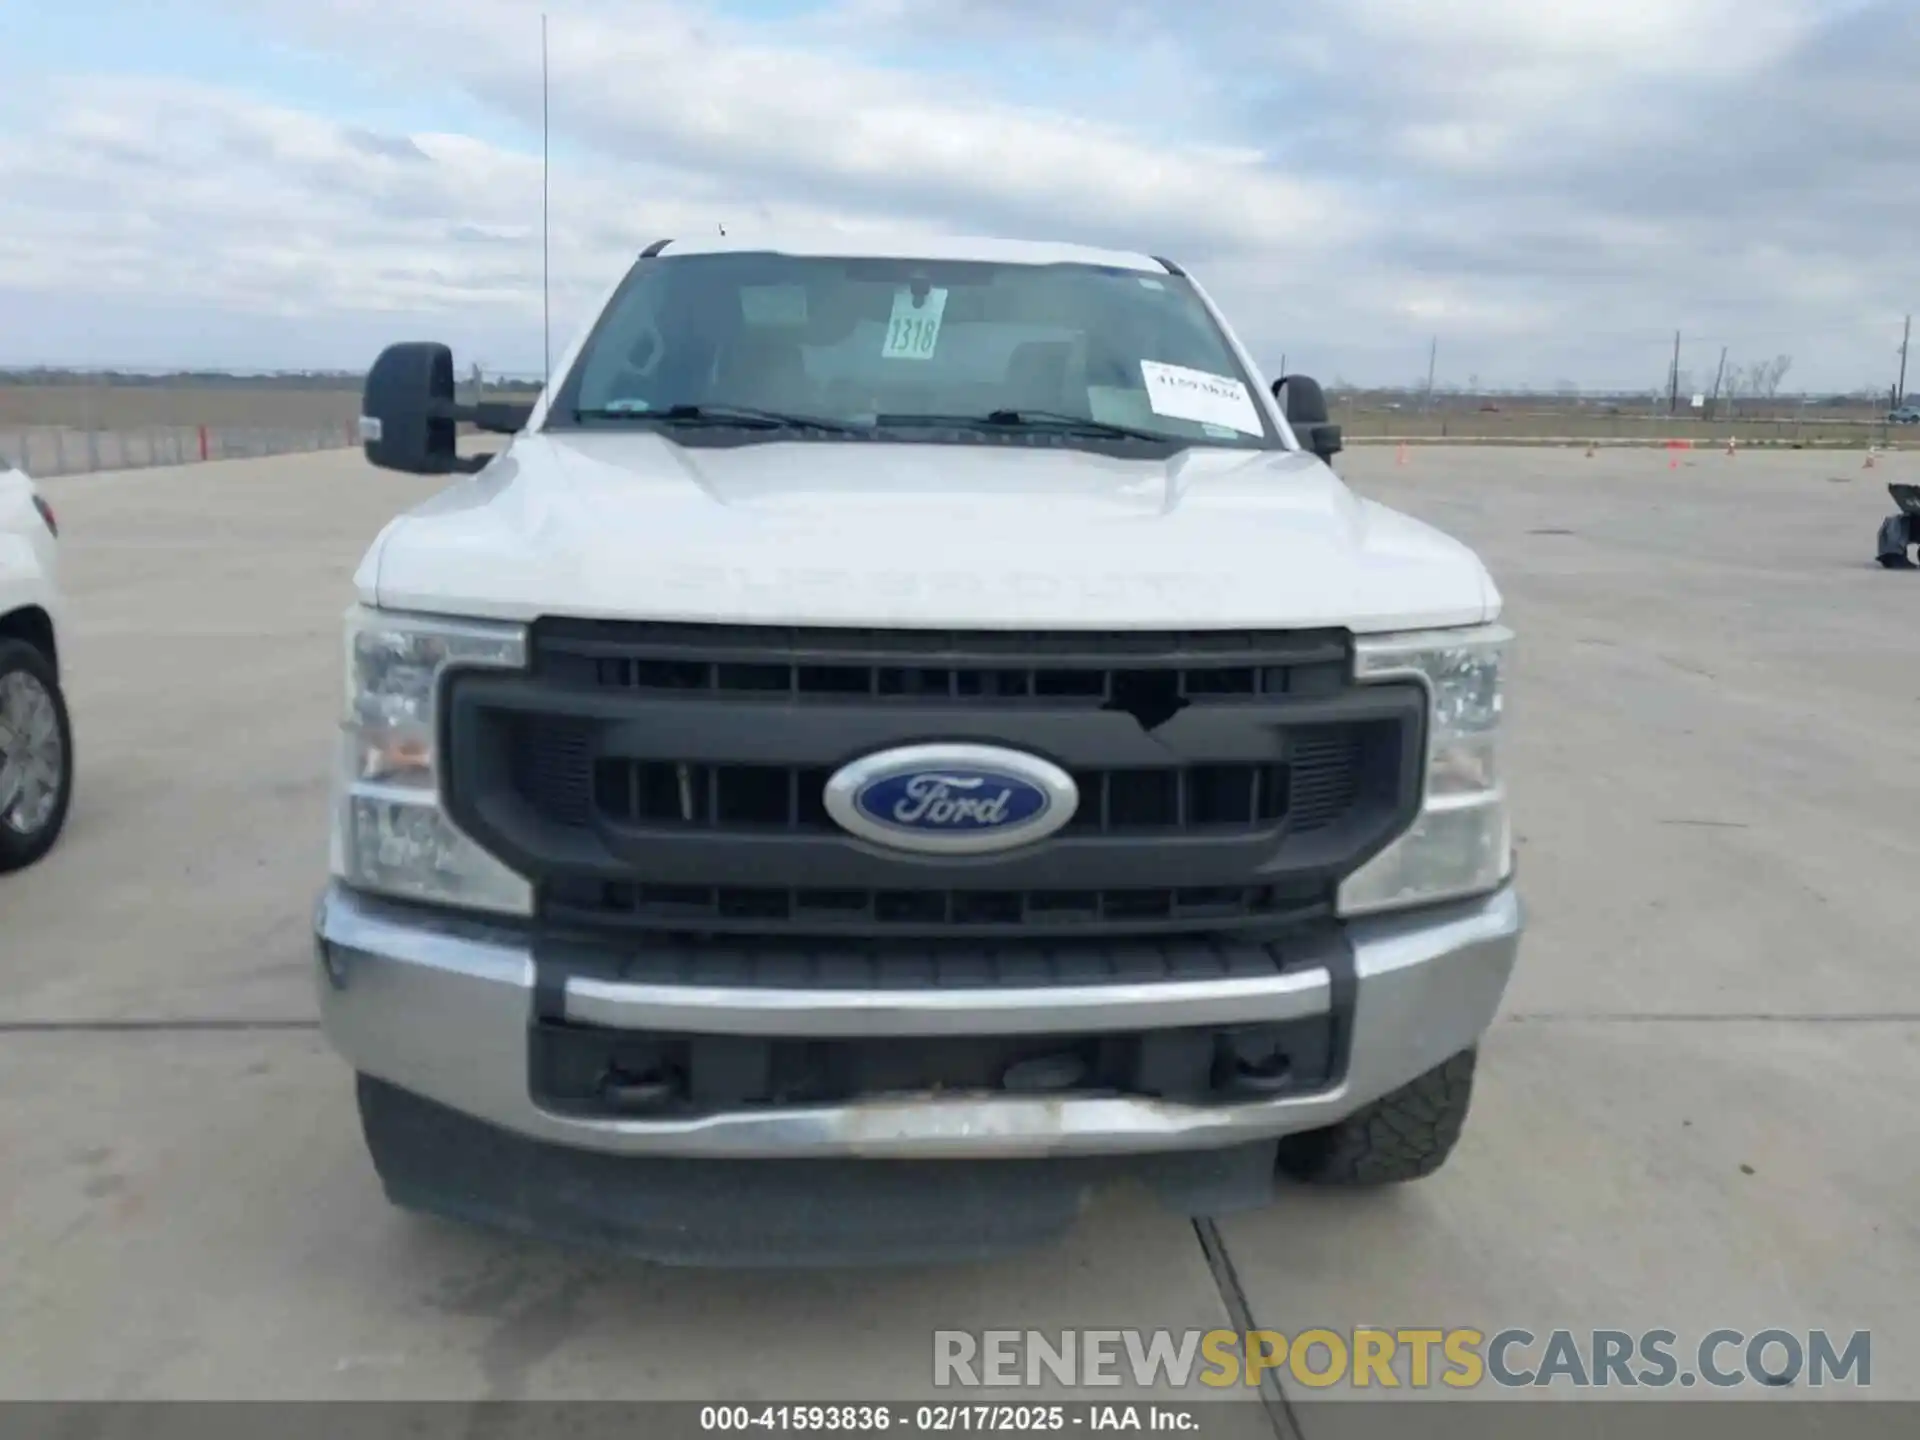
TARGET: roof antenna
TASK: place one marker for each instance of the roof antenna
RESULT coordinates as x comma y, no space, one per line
546,248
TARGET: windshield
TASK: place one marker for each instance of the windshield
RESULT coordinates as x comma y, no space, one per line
733,348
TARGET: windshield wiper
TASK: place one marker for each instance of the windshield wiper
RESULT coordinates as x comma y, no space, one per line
1052,422
746,417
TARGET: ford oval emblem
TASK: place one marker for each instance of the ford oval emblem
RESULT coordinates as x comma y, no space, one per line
951,799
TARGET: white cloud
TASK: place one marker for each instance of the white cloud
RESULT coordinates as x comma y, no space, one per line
1595,37
1552,188
649,78
215,200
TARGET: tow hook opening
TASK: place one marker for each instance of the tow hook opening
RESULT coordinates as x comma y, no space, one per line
1261,1074
640,1093
590,1070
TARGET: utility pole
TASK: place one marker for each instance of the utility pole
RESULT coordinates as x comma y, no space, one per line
1433,353
1673,378
1718,376
546,229
1900,390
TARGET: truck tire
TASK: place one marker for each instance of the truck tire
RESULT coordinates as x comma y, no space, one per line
36,756
1404,1135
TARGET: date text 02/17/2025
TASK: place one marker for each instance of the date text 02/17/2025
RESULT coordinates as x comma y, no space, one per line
946,1419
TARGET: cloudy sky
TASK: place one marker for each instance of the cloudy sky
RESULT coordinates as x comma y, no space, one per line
1549,187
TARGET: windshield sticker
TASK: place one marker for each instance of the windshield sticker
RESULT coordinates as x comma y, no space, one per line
914,330
1200,396
773,304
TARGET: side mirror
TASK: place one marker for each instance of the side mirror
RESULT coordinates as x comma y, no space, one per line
1304,404
410,421
406,410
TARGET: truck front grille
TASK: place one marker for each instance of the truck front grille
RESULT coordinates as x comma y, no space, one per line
814,910
992,668
555,772
670,778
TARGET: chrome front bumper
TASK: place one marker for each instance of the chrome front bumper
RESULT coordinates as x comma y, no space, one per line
440,1007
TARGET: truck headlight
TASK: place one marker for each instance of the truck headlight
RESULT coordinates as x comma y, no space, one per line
391,834
1461,843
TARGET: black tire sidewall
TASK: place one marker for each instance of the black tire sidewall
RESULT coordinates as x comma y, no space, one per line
18,851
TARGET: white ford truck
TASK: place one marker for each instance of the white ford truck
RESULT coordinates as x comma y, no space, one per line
901,735
36,737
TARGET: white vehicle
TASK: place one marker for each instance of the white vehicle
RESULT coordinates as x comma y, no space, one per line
36,742
901,735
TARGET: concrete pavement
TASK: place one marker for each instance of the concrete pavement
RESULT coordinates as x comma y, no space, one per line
1697,1111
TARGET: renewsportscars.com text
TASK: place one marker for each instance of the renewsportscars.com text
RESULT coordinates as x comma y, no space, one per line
1409,1358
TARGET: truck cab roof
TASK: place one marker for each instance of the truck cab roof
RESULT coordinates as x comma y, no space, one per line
895,244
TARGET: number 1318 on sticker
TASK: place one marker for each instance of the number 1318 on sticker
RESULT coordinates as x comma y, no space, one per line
913,331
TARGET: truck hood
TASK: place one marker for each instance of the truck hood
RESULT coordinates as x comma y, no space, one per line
631,525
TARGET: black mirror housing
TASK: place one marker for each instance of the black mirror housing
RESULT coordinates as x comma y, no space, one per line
1301,399
410,420
1304,404
407,412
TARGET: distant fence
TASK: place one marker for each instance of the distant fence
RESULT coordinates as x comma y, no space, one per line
1520,425
43,450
